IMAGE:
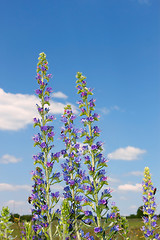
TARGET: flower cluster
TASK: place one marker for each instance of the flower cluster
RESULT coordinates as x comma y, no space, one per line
72,174
94,159
42,198
149,207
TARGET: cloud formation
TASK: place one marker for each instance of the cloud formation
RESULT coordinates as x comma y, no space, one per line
59,95
106,111
11,187
136,173
128,154
129,187
18,110
21,207
5,159
13,202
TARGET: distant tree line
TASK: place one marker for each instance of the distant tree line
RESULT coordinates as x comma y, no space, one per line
139,213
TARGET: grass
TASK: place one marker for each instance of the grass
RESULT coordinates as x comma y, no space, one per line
134,229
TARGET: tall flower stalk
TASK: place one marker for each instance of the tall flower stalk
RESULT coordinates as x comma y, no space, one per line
96,197
42,198
149,207
71,170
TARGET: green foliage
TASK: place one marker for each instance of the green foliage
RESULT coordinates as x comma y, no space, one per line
26,218
5,225
27,232
63,227
140,212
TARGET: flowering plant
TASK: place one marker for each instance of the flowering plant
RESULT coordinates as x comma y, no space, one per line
149,207
5,225
42,198
86,193
96,194
71,170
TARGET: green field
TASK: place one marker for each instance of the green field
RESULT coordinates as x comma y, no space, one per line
134,229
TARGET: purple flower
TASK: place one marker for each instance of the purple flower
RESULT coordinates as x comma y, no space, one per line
95,115
38,91
79,198
35,120
49,164
72,182
88,221
51,117
63,152
98,229
39,181
43,145
55,195
83,94
90,119
115,228
43,68
93,147
49,89
56,175
102,201
49,75
36,138
51,134
87,213
44,207
44,128
57,155
46,99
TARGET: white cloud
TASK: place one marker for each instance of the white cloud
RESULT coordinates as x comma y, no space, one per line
136,173
106,111
5,159
59,95
18,110
115,108
11,187
113,180
13,202
129,187
128,154
21,207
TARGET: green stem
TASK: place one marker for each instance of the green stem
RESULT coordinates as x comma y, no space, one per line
93,165
73,195
47,176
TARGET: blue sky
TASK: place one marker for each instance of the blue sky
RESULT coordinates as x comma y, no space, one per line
116,44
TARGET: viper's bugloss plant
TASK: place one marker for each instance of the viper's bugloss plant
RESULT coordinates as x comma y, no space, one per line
118,223
64,220
149,207
27,231
42,198
72,174
96,193
5,225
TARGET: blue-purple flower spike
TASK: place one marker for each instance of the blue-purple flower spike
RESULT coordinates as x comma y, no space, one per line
149,207
72,174
42,198
96,163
